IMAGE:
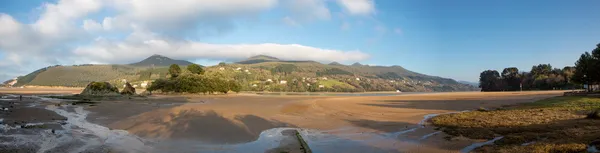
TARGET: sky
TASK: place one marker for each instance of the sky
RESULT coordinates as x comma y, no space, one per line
454,39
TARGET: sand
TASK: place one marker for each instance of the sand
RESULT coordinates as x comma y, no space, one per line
338,124
241,118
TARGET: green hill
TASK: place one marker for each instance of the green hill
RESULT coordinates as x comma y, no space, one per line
158,61
265,73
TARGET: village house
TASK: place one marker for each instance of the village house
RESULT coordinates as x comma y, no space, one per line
282,82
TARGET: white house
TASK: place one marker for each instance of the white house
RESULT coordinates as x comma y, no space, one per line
321,86
246,71
135,86
357,79
239,68
254,85
221,68
124,80
269,80
282,82
324,78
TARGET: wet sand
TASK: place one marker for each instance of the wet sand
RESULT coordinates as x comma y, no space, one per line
339,124
241,118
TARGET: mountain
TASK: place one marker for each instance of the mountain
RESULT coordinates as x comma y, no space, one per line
357,64
335,63
159,60
474,84
259,59
252,74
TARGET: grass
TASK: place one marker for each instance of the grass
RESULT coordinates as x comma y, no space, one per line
556,124
330,83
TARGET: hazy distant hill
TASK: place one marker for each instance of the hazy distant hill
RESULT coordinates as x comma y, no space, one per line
253,74
159,60
259,59
474,84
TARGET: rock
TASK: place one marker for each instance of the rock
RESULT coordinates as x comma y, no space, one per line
100,88
128,90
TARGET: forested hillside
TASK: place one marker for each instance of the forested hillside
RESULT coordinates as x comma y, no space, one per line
261,73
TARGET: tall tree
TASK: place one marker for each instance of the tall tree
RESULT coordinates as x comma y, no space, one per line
174,70
583,66
195,69
512,78
489,80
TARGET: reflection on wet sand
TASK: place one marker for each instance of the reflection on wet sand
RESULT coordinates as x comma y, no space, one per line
259,123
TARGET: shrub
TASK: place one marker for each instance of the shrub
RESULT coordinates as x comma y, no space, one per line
195,69
594,114
100,88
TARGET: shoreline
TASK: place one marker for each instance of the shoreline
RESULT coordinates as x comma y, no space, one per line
346,123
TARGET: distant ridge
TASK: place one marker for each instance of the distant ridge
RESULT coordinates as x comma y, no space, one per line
336,63
259,59
474,84
159,60
357,64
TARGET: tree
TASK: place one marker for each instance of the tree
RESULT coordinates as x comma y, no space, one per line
222,64
511,78
489,80
583,66
234,86
174,70
195,69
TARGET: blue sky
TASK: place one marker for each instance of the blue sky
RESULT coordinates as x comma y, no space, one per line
455,39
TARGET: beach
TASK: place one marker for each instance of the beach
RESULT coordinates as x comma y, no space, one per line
247,122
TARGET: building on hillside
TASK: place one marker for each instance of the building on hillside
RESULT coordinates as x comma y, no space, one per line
124,80
357,79
269,80
221,68
282,82
238,69
247,71
135,86
324,78
254,85
321,86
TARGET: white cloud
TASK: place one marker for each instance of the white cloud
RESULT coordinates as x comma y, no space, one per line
62,36
91,25
104,51
289,21
57,19
176,16
358,7
308,10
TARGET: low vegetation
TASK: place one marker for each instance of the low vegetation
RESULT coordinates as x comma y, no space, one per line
193,83
559,124
100,88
